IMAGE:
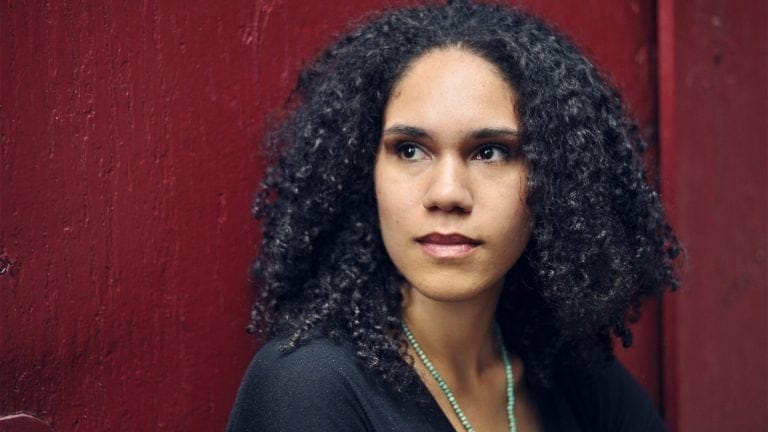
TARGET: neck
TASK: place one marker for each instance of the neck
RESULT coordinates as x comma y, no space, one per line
457,336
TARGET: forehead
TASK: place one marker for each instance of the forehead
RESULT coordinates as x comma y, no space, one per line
452,88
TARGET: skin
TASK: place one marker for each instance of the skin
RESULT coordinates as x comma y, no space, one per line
449,163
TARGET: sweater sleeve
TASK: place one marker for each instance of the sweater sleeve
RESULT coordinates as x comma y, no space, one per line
304,390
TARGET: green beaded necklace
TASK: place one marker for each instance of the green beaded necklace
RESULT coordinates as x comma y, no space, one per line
449,394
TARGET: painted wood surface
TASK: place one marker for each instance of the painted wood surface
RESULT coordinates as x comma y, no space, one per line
714,165
130,152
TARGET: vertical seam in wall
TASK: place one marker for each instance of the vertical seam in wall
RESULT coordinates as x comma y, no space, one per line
665,17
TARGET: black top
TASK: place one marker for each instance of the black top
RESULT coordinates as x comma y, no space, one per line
321,386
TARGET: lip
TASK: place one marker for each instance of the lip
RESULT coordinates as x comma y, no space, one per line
448,246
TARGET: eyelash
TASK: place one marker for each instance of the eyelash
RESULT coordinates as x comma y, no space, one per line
506,153
402,147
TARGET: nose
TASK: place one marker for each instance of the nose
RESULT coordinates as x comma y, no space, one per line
448,189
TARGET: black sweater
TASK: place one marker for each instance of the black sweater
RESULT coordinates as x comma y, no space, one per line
321,386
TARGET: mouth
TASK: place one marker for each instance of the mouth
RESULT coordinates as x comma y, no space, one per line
448,246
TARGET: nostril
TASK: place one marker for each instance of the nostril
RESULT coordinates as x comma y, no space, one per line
449,190
459,203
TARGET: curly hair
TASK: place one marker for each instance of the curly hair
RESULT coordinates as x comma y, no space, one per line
599,245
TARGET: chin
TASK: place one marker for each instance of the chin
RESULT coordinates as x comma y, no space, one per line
450,290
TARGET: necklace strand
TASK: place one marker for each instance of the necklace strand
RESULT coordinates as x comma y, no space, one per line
449,394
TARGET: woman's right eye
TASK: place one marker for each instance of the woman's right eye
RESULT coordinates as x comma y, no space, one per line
411,151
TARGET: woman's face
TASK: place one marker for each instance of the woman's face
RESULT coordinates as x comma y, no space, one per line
450,179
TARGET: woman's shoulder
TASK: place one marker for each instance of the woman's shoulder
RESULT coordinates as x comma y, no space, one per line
316,359
609,398
296,389
322,386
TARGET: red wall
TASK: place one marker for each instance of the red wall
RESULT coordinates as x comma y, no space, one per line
714,117
129,155
127,169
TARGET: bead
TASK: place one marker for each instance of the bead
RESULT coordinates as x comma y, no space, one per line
449,394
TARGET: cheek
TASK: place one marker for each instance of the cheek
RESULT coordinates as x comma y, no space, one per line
393,205
399,203
511,208
388,201
387,214
513,224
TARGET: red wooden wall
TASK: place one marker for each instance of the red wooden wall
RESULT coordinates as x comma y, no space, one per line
127,168
129,136
714,142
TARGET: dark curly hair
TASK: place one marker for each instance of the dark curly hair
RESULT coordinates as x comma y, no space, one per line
599,244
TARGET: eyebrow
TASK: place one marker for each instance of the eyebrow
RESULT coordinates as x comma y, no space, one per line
494,133
409,131
484,133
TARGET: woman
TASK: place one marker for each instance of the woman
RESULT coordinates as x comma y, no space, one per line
454,228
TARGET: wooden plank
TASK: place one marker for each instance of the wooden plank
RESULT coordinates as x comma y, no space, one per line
713,74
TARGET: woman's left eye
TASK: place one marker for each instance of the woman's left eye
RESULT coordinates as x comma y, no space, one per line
491,154
410,151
